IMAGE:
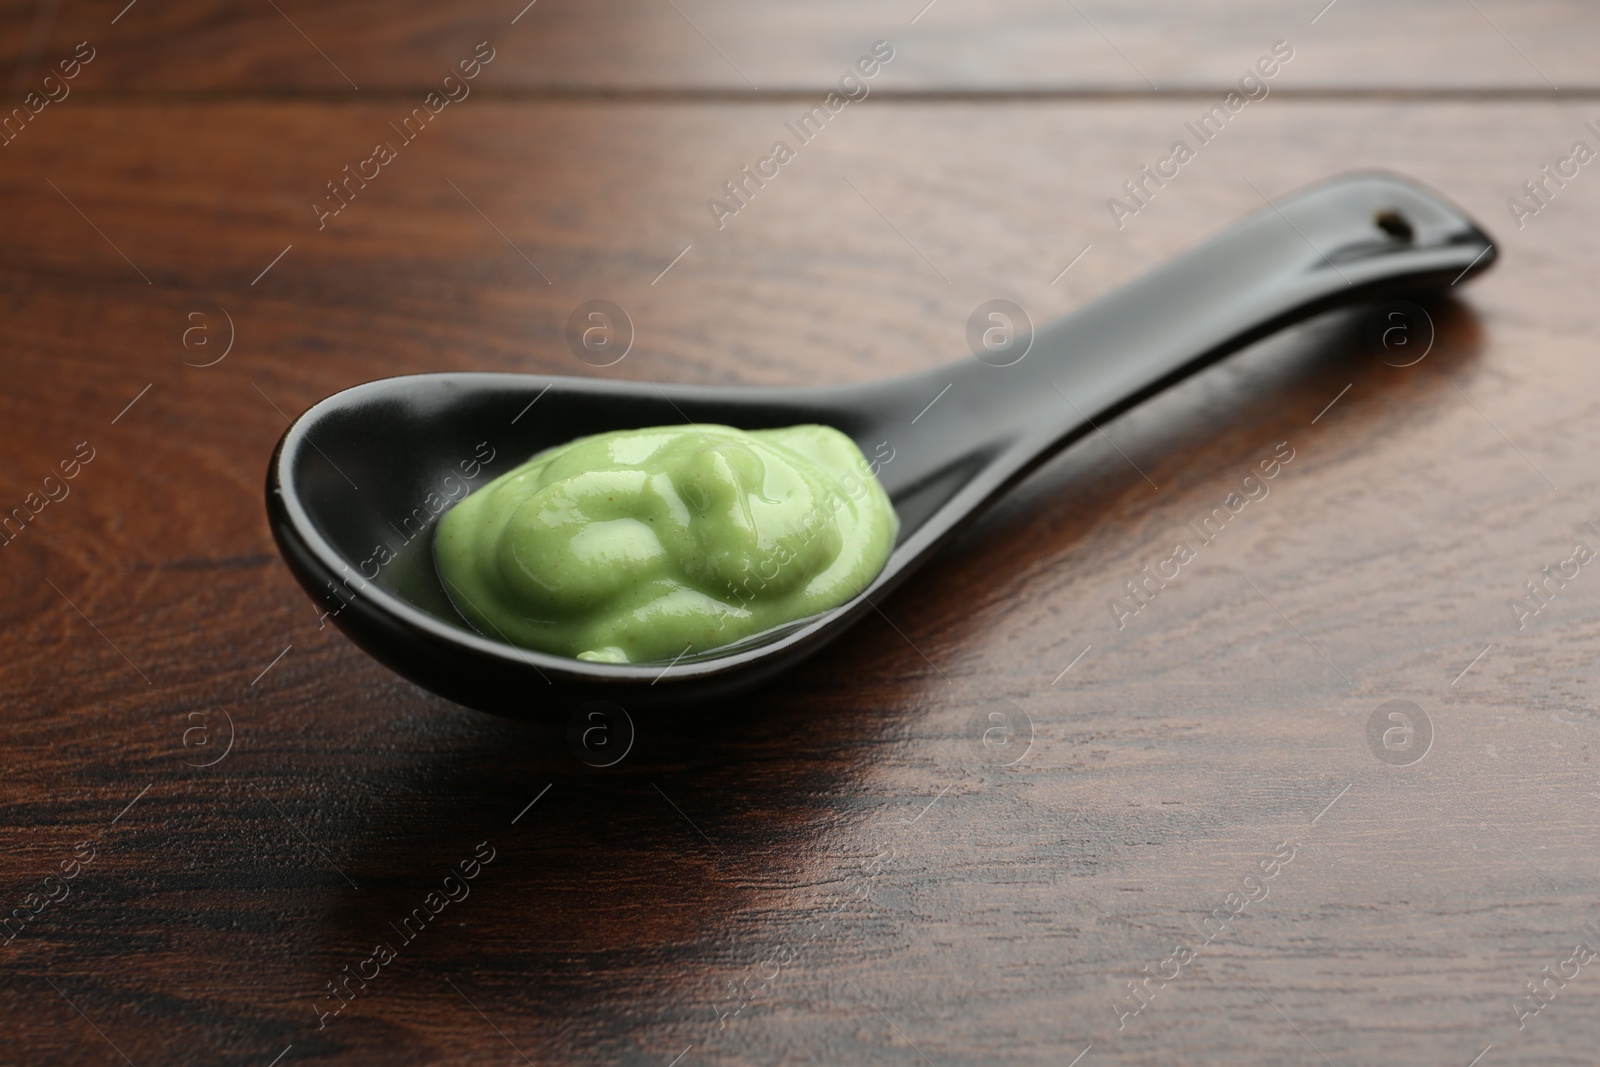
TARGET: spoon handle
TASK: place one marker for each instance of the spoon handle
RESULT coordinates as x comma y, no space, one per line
1343,242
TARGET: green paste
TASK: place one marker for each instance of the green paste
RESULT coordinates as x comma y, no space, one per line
646,545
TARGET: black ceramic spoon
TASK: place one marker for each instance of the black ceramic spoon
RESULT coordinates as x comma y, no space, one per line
369,466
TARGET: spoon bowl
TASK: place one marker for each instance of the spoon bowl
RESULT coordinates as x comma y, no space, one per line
357,483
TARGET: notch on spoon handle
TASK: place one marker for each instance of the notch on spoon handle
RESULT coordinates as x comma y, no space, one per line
1346,241
1343,242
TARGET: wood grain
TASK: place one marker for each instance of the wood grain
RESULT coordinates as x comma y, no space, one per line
610,46
834,869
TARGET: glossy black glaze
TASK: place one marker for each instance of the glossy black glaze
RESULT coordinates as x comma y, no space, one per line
350,472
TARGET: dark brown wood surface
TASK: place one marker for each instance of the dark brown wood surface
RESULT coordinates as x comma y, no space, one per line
835,869
291,46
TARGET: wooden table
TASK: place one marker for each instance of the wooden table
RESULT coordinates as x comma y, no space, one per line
1195,838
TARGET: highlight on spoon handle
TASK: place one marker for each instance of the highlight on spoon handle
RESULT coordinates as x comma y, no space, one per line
1346,241
1343,242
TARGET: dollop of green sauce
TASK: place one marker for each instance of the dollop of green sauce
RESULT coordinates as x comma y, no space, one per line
646,545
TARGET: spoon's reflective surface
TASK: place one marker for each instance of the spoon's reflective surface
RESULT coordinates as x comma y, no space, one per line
356,483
